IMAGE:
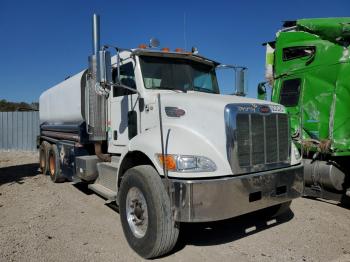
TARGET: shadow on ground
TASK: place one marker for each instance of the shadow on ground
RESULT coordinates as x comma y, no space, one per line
16,174
225,231
344,202
83,187
215,233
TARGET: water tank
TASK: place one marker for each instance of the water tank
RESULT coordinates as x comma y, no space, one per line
64,103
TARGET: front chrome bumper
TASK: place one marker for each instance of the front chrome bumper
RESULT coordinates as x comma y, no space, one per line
217,199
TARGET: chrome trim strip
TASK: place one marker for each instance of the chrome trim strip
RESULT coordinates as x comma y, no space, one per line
250,140
277,138
265,150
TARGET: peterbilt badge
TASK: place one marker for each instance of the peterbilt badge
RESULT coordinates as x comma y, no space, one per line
264,109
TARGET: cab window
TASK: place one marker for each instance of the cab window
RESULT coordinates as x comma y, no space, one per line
127,77
290,91
295,52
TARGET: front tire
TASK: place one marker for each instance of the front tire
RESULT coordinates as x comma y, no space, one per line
145,213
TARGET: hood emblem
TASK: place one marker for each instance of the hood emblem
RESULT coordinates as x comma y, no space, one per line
264,109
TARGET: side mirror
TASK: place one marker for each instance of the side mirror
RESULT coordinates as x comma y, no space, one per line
240,81
104,70
261,91
239,78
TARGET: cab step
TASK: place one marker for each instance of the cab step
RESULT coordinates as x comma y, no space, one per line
105,192
106,183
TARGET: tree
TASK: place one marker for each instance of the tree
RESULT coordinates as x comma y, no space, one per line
7,106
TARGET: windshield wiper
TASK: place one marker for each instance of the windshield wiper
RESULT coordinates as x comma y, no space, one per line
170,88
201,89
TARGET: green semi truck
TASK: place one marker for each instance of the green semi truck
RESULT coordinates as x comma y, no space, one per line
308,68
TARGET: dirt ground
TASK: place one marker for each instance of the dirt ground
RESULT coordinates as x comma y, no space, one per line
42,221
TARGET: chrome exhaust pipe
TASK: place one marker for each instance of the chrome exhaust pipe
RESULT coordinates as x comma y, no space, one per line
95,34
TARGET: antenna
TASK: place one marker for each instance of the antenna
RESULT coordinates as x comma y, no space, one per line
185,40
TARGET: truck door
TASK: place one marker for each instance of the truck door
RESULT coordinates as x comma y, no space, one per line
290,89
124,106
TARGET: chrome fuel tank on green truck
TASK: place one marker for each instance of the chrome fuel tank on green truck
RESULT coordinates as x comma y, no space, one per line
308,68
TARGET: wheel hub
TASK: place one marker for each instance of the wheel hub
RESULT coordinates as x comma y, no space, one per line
136,212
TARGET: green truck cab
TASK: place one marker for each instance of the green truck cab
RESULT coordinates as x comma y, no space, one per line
308,69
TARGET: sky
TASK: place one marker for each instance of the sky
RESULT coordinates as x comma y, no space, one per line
43,42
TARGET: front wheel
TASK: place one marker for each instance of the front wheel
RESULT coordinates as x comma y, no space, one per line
145,213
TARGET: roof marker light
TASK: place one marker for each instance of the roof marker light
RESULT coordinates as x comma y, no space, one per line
179,50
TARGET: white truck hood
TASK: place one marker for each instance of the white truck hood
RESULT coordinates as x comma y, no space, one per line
202,130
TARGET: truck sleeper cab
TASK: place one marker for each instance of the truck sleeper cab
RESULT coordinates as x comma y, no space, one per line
308,68
173,148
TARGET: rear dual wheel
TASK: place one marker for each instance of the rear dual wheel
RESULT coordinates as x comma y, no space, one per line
44,156
54,167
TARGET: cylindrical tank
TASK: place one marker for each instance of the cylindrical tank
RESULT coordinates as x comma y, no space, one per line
324,174
76,100
64,103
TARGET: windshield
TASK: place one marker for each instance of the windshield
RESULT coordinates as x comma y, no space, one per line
178,74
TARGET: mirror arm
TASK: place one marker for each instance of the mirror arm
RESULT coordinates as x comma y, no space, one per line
223,66
118,66
126,87
117,50
239,75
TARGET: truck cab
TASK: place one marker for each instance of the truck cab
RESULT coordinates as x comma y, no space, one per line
307,67
150,130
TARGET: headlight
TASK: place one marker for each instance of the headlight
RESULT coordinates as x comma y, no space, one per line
296,157
185,163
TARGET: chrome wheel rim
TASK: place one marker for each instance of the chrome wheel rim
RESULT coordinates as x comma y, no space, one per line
136,212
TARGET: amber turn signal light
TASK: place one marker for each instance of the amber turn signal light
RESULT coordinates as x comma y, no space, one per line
170,162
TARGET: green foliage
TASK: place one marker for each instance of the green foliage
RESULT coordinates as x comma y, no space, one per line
7,106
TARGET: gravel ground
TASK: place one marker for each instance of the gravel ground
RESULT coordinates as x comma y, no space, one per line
42,221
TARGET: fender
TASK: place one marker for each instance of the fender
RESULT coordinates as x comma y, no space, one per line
178,140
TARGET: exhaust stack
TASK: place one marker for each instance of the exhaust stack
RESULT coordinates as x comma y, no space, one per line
95,105
95,34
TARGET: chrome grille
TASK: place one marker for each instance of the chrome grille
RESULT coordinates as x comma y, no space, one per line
262,139
271,138
244,140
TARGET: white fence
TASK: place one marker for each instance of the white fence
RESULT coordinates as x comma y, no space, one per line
18,130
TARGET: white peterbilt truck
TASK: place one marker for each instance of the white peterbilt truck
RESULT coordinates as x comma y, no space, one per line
149,129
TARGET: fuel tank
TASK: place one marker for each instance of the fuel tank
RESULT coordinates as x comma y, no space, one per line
324,174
